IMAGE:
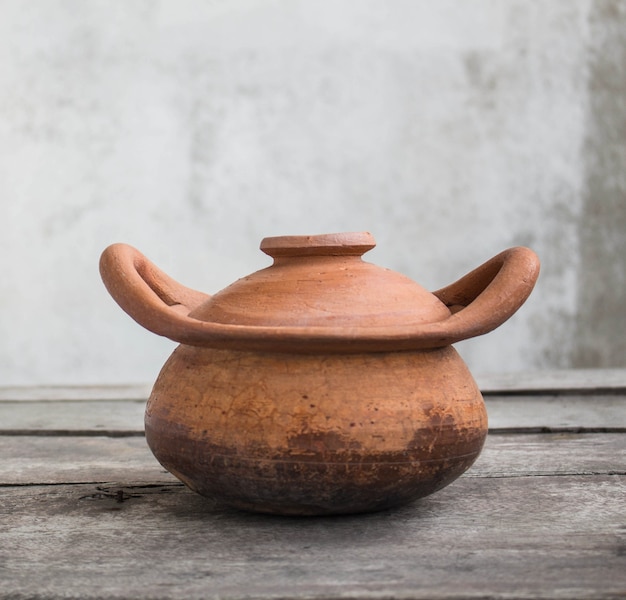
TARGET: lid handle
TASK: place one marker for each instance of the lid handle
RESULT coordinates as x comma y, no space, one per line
331,244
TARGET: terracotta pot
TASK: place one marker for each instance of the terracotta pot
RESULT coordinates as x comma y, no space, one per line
322,384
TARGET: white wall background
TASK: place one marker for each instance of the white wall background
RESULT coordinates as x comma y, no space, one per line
193,128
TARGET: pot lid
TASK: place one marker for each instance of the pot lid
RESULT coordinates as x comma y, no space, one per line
322,281
319,295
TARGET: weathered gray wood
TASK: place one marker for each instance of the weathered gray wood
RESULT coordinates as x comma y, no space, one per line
560,381
528,412
521,537
54,460
97,416
53,393
85,513
59,459
589,412
551,454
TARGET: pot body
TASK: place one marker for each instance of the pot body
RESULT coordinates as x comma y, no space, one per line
312,434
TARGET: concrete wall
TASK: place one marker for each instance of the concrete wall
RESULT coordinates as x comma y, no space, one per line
193,128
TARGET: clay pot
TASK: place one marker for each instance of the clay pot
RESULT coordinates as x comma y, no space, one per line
322,384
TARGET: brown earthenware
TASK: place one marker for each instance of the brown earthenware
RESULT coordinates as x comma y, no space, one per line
322,384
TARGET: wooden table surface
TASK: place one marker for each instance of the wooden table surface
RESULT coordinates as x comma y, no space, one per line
87,512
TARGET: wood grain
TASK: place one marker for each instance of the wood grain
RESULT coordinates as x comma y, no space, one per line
87,512
555,381
555,412
28,460
540,537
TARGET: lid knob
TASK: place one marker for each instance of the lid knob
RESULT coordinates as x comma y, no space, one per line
332,244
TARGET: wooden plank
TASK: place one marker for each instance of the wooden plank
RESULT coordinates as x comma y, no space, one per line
95,416
519,412
506,455
41,393
57,460
524,537
554,381
567,412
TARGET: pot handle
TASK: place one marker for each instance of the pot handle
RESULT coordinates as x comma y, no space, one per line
147,294
489,295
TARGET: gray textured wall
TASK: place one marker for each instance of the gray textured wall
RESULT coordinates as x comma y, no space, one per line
193,128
